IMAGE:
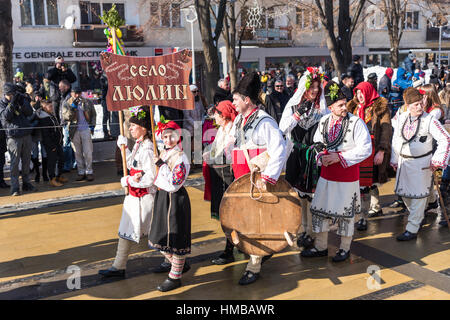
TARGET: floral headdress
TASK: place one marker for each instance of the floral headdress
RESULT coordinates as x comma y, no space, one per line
137,112
314,74
161,125
333,93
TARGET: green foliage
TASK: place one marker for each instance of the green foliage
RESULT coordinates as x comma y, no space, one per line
112,19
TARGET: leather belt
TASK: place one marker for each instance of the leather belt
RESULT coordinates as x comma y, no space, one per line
416,157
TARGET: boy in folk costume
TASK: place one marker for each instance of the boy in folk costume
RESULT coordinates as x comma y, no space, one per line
298,123
337,198
138,204
170,228
413,157
255,133
374,111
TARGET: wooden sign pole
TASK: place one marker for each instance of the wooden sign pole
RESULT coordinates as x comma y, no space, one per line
122,133
155,148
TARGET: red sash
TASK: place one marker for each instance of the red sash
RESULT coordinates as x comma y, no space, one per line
336,172
240,166
136,192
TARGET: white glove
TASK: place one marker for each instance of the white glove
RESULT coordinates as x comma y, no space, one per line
122,140
124,181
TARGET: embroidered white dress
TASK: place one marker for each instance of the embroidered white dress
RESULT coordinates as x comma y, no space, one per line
136,212
337,193
412,153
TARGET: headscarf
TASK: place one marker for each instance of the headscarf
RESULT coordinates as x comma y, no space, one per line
301,89
227,109
369,93
389,72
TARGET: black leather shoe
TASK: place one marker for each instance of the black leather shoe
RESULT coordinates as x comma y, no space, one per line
169,284
265,258
166,266
396,204
361,225
406,236
3,184
248,277
28,187
112,272
15,193
432,205
305,241
313,252
373,213
341,255
223,259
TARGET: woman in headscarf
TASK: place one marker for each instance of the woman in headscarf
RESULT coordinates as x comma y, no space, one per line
374,110
298,123
220,171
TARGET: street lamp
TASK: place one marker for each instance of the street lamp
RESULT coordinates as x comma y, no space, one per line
191,17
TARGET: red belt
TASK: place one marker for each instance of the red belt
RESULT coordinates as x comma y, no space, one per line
136,192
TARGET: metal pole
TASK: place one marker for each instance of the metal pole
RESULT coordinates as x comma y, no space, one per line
440,43
193,53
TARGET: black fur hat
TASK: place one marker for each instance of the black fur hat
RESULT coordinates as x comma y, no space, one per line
249,86
333,93
141,116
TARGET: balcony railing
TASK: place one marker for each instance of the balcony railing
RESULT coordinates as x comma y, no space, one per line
433,34
90,35
269,36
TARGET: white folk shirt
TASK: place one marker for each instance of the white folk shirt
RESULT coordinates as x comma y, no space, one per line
412,146
262,134
136,212
337,193
173,173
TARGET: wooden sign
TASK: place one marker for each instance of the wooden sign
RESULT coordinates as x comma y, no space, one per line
137,81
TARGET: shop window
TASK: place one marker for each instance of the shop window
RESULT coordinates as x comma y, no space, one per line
163,14
39,12
412,20
91,11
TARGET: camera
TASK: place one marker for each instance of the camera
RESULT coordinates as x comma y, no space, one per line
304,107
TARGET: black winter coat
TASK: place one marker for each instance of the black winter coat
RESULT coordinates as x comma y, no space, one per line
356,71
14,116
56,75
275,103
221,95
52,135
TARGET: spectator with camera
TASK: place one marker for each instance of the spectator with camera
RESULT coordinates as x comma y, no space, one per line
15,109
80,115
61,71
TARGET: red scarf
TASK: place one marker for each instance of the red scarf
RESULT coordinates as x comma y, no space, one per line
369,93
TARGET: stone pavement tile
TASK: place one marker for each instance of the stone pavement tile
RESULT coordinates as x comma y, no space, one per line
423,293
437,261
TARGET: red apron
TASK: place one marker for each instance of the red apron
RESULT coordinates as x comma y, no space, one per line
240,165
136,192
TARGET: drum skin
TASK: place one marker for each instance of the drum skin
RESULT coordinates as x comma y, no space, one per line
260,223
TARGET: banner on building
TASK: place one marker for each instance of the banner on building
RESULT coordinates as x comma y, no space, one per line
139,81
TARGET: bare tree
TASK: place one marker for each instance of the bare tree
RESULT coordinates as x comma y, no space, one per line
395,13
210,41
6,42
340,45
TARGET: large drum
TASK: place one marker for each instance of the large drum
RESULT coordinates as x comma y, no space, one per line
260,223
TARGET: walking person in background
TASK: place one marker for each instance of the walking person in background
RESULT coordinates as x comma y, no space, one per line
355,70
385,85
347,84
69,156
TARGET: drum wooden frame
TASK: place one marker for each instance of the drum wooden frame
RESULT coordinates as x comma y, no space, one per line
264,224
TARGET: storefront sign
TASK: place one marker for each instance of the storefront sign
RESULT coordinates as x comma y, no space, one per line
72,54
137,81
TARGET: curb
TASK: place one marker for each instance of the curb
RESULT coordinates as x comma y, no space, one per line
40,204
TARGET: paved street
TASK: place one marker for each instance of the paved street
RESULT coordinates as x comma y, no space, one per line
39,245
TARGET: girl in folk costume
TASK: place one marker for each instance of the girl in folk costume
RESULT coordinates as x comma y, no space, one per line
221,174
413,157
170,227
346,142
138,204
373,109
298,123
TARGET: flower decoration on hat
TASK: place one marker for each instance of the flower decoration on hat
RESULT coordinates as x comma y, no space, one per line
137,112
314,73
333,94
161,125
422,92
